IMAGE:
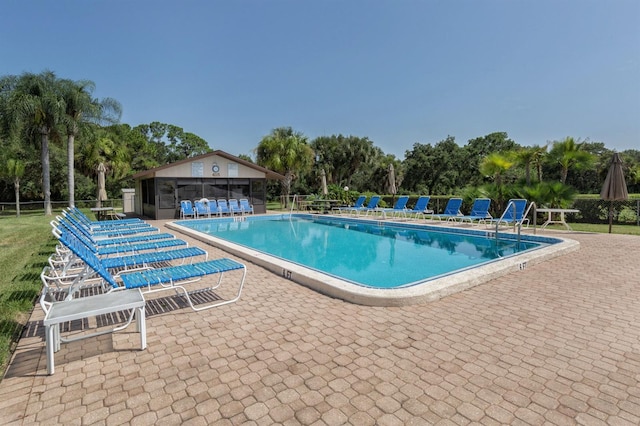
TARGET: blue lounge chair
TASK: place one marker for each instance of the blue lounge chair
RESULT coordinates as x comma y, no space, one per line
245,206
223,206
58,226
479,211
138,260
234,206
186,209
357,205
451,210
126,245
213,208
421,207
85,219
104,225
202,208
105,233
398,208
513,213
172,278
370,207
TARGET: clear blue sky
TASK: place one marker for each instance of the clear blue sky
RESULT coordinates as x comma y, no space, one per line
396,71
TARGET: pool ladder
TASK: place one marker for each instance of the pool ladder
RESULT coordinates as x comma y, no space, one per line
518,224
294,201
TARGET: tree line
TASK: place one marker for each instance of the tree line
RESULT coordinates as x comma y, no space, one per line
54,133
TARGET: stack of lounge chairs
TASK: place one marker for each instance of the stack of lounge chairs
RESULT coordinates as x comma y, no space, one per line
97,262
208,208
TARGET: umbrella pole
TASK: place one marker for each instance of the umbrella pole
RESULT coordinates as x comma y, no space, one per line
610,215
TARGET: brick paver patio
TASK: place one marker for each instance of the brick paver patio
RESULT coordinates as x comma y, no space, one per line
556,343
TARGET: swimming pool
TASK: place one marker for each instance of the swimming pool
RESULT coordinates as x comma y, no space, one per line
357,259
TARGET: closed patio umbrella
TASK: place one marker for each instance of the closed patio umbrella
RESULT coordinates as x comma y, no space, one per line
325,190
102,192
391,182
615,187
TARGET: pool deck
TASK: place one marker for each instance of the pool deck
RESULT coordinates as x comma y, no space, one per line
555,343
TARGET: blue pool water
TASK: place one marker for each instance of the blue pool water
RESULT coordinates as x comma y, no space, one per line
378,255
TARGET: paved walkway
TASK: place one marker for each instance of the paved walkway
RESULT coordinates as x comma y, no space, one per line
556,343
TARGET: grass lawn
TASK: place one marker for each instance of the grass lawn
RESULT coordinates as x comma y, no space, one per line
26,243
600,228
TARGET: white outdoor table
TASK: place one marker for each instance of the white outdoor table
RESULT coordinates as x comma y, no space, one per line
91,306
102,212
561,219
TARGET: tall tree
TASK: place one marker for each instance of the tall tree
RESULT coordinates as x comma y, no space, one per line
81,108
286,152
569,153
477,149
433,169
14,170
530,157
35,109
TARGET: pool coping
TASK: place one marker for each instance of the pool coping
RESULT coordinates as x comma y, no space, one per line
427,291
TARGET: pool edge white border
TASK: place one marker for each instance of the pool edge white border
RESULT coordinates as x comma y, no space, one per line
420,293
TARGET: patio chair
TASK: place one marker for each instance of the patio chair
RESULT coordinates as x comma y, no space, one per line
245,206
223,207
451,210
186,209
213,208
398,208
513,214
202,209
479,212
234,206
172,278
421,207
358,204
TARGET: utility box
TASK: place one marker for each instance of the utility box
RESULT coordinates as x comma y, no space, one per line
128,197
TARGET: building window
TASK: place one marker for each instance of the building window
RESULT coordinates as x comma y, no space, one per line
197,169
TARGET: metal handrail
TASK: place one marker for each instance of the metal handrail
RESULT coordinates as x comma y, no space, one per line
293,203
518,224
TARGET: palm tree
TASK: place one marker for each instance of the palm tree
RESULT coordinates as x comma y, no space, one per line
34,110
81,108
569,153
286,152
496,165
531,156
15,170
